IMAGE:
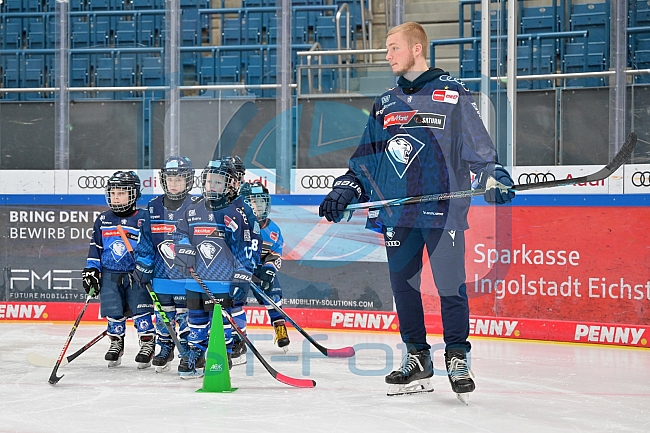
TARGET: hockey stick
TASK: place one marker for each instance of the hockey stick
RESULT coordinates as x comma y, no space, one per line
299,383
344,352
45,361
154,297
54,379
620,158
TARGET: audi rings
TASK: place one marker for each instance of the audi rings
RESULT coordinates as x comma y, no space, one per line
641,178
317,181
92,182
526,178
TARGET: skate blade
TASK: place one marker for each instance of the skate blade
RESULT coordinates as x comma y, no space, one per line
463,397
196,374
163,368
143,365
415,387
240,360
117,363
285,348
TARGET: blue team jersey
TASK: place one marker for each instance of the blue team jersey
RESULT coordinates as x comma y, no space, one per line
226,241
155,248
421,143
272,243
107,249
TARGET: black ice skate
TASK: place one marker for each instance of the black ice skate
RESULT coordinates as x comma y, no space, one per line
162,361
281,335
459,374
192,364
147,349
115,351
239,350
413,376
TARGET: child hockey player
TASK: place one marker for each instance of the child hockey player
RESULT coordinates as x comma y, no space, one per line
110,264
155,255
217,239
271,257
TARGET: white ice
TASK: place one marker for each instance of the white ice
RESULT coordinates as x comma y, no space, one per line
521,386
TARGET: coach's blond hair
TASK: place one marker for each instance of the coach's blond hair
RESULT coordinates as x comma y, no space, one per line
413,33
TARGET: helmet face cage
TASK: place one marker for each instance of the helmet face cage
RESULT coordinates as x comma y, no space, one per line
238,171
123,191
218,181
258,198
181,167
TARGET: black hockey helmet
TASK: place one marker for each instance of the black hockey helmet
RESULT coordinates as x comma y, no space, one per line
218,183
258,198
177,166
127,181
238,170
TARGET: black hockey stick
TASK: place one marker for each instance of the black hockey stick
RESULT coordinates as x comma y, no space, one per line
344,352
45,361
154,297
292,381
620,158
54,379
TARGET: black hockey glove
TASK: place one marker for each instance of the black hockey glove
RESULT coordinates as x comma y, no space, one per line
495,180
90,278
185,258
239,286
346,190
266,275
142,275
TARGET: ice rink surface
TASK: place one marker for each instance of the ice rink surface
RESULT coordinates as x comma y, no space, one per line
521,387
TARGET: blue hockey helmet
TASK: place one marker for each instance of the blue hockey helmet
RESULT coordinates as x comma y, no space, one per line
258,198
177,166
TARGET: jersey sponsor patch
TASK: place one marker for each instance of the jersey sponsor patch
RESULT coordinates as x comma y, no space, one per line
427,120
398,118
110,233
448,96
274,236
230,223
203,231
162,228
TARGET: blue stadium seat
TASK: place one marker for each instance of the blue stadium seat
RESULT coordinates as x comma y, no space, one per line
152,71
13,32
225,68
34,76
125,34
10,76
299,31
80,34
494,23
35,30
79,74
13,6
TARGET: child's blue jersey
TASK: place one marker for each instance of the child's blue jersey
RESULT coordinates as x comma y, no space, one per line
226,241
156,245
272,243
107,251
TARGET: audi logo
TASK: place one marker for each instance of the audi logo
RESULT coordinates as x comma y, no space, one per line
526,178
91,182
641,178
317,181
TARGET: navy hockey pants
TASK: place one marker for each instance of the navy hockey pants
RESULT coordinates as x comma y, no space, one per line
446,249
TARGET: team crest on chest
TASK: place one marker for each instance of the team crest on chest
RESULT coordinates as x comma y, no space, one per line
401,151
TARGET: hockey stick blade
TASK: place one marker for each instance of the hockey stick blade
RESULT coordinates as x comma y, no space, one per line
620,158
54,379
46,361
292,381
344,352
